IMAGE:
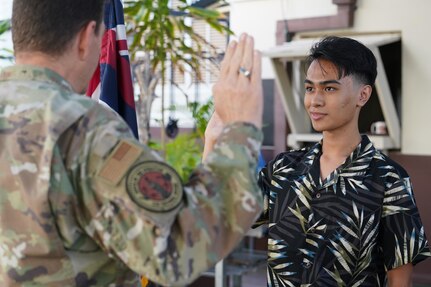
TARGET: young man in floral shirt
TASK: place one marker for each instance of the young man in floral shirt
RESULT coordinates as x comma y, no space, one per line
340,213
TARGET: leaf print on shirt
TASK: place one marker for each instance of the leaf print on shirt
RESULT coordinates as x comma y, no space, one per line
353,258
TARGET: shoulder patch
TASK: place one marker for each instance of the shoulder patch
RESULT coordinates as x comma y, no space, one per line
124,155
154,186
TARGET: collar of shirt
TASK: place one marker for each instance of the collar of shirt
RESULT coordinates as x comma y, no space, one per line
34,73
355,164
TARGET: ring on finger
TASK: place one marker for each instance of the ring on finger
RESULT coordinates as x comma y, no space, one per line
245,72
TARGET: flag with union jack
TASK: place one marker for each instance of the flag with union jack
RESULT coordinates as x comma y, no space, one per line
112,82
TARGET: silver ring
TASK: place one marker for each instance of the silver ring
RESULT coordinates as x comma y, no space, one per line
244,71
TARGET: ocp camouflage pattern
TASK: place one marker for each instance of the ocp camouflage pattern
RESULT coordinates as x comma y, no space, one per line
63,224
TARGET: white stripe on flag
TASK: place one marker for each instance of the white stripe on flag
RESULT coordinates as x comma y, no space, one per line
124,52
96,93
121,32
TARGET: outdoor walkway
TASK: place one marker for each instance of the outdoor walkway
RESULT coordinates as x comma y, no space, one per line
255,279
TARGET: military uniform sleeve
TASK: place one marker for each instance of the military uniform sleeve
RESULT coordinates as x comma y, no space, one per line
138,211
404,239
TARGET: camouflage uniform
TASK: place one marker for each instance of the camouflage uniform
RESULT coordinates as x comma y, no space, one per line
82,203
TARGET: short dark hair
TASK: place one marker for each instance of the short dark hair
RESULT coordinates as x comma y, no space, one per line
349,56
48,26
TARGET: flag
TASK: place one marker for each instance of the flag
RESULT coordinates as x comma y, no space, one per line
111,84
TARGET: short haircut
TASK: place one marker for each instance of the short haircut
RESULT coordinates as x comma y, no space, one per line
49,26
349,56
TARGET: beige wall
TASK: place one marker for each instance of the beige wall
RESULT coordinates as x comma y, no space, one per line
258,17
413,20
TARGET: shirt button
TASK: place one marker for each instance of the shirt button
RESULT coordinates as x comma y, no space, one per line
307,265
318,195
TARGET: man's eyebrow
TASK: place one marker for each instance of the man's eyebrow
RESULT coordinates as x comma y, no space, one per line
328,82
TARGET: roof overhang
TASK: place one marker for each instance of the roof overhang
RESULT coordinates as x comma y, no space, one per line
298,49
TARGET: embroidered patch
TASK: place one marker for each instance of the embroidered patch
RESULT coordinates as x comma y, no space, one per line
124,155
154,186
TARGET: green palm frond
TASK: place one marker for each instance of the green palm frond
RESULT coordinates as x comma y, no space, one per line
276,164
280,281
359,282
349,247
302,220
274,245
284,265
336,276
398,254
275,184
275,248
284,169
354,184
302,196
341,256
285,282
350,256
279,177
407,252
392,174
307,184
365,258
312,242
392,209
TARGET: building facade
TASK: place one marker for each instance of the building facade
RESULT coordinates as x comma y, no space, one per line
274,22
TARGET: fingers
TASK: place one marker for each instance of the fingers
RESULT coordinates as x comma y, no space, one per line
238,93
237,57
247,58
256,76
224,69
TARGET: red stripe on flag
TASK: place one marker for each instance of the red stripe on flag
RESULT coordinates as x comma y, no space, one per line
125,87
94,82
107,55
122,45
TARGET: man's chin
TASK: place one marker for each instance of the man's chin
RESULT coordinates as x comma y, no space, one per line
318,129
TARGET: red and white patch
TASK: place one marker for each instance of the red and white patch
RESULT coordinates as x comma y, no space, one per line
154,186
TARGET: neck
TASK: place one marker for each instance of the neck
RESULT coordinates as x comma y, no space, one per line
340,144
59,64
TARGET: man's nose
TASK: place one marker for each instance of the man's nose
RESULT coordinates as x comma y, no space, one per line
317,99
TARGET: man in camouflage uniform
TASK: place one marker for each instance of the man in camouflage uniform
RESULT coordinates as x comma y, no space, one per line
82,202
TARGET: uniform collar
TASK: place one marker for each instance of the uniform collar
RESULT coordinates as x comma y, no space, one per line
33,73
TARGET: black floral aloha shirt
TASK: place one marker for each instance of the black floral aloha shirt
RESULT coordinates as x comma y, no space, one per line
345,230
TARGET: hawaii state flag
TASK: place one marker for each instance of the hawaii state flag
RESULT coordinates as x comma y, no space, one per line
112,82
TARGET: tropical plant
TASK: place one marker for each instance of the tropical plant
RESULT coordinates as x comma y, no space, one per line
4,27
164,36
184,152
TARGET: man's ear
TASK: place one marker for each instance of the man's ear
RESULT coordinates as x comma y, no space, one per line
364,96
85,39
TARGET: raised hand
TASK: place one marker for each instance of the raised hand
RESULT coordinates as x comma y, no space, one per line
238,95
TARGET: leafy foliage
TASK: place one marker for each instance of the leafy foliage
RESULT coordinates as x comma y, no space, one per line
4,27
163,36
167,34
184,153
201,114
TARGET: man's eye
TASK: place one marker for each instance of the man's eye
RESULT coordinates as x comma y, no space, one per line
308,89
329,89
